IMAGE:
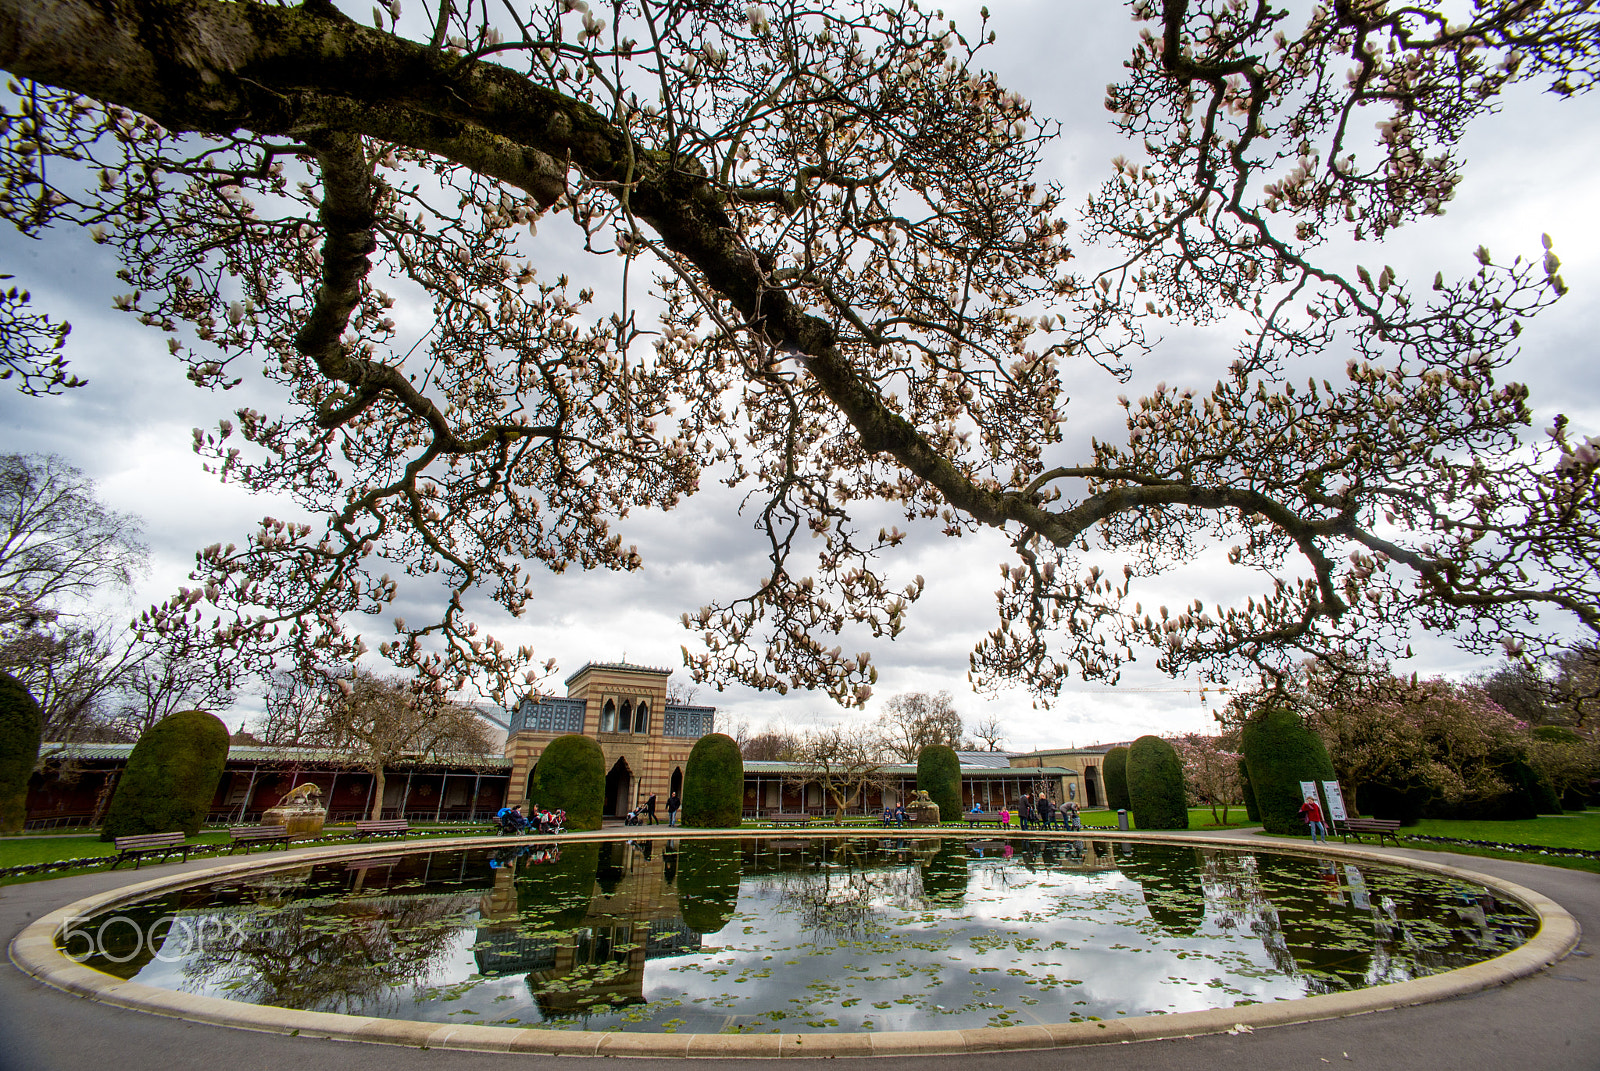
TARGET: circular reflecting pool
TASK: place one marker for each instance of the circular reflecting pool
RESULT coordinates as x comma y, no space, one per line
800,934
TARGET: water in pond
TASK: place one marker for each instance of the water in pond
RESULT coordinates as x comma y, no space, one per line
821,934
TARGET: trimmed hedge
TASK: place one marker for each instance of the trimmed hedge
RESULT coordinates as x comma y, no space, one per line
21,726
1282,752
1155,785
1115,768
171,777
939,775
571,776
1252,810
713,784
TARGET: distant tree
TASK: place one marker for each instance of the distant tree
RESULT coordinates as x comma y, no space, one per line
375,722
1577,682
1114,767
911,721
1569,760
295,705
773,744
60,545
1155,785
1521,691
21,727
989,732
76,671
171,777
1211,771
680,691
169,673
845,760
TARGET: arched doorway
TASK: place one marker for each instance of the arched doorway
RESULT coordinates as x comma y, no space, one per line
619,789
1091,786
677,781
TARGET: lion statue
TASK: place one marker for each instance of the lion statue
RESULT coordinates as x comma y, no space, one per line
304,796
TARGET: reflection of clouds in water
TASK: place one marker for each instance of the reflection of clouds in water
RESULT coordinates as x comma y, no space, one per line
834,937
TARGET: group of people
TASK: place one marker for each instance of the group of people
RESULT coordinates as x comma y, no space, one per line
1037,811
512,821
896,815
646,812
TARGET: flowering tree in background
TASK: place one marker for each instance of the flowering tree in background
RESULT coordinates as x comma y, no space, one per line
1211,771
1447,748
859,293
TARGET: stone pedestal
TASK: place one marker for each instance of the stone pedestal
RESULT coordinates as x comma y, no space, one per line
299,821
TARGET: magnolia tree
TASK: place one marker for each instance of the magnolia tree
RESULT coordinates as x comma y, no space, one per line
1449,745
840,282
1211,771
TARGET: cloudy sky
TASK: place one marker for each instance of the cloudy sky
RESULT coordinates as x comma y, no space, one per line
1533,169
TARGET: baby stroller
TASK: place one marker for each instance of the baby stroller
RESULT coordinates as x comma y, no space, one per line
633,817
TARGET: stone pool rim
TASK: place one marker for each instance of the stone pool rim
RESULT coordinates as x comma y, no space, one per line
34,952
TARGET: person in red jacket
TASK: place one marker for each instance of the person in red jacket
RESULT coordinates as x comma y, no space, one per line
1311,812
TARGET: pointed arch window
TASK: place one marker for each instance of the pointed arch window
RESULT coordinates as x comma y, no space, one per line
625,721
608,717
641,717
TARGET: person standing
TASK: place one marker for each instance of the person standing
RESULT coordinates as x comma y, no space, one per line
1311,812
673,803
1025,812
650,809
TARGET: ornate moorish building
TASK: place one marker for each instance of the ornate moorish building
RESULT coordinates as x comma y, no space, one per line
645,739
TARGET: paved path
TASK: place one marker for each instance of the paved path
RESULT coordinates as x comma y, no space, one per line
1549,1022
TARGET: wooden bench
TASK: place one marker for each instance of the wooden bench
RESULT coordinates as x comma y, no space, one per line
797,819
139,845
386,827
1381,827
976,819
250,836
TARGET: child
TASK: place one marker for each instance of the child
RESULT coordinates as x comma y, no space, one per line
1005,817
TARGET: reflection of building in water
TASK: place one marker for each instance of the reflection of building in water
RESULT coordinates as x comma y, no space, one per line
621,911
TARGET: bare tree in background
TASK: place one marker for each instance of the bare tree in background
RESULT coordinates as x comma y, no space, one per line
75,673
989,732
772,744
911,721
59,544
296,708
845,760
378,721
168,673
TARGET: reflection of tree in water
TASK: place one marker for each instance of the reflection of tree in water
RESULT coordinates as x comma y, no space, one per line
340,957
838,899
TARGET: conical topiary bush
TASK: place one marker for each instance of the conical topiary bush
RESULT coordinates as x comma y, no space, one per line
21,725
170,778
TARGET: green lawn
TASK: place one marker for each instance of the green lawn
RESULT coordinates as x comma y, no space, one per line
1199,818
1575,829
